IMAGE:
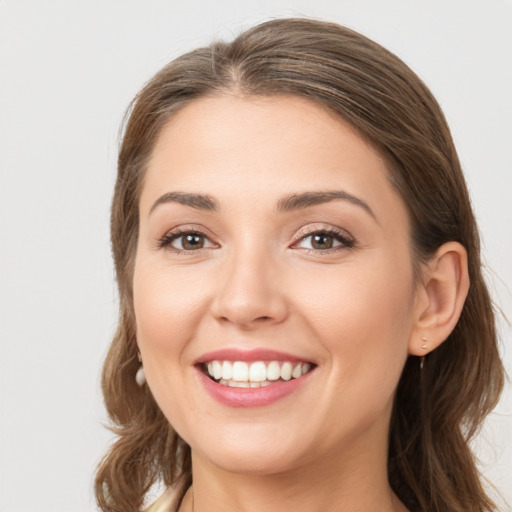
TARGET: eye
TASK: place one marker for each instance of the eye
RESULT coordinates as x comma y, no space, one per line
324,240
186,241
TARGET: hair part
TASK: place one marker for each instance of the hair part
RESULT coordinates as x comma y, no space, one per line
436,411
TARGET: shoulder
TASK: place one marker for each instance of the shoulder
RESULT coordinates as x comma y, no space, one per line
165,503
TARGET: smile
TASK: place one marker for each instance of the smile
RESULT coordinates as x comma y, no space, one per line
258,374
252,378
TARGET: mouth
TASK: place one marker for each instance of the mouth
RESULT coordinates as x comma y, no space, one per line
252,378
257,374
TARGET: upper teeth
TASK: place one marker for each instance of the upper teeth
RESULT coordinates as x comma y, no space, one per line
258,371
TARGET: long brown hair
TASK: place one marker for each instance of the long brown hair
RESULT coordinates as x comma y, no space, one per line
436,410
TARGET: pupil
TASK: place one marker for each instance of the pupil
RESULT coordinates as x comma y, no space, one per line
193,242
322,241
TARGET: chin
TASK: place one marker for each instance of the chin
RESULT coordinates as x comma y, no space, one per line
239,452
260,463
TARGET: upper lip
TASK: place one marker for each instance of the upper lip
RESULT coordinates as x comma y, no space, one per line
258,354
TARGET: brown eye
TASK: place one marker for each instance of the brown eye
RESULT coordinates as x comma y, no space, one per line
322,241
192,241
188,241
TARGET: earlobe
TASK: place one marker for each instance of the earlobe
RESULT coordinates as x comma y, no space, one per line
444,291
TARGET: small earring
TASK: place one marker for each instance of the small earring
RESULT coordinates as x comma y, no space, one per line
424,347
140,376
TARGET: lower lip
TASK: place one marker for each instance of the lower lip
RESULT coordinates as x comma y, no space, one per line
251,397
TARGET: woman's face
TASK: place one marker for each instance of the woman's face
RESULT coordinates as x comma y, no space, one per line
271,241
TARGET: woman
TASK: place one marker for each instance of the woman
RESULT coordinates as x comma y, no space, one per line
303,319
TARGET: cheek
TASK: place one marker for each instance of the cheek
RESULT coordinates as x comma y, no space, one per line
166,309
166,305
364,326
357,300
363,317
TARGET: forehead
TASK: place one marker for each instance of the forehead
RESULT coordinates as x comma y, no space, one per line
230,147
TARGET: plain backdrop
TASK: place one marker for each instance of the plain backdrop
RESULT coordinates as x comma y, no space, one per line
67,72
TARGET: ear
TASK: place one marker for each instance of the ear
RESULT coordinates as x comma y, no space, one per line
440,298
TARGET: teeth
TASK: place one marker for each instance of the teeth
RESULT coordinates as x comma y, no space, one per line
240,371
286,371
273,370
297,371
257,374
227,370
235,384
217,370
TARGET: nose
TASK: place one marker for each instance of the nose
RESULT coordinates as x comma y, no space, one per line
250,293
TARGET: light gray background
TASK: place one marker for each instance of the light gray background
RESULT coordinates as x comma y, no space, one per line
67,71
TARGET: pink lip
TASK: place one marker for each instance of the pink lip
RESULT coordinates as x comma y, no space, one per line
260,354
250,397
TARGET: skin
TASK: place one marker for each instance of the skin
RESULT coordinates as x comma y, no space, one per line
355,310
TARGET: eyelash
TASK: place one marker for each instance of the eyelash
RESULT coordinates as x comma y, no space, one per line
345,241
166,241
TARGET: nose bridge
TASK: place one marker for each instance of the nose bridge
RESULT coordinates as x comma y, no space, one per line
249,293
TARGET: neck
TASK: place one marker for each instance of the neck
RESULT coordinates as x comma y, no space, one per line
354,480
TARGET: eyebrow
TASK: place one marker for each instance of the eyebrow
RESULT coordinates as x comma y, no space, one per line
285,204
308,199
197,201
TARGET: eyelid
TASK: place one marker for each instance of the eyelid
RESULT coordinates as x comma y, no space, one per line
346,239
165,241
